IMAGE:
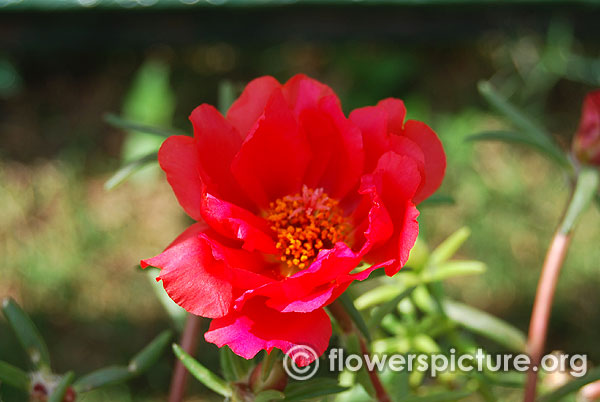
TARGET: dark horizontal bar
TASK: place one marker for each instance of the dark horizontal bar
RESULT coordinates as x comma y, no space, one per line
58,5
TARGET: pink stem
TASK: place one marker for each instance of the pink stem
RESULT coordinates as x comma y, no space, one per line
189,343
348,327
542,305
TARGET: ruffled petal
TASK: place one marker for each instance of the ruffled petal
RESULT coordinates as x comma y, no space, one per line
218,142
383,129
178,157
247,109
203,276
435,157
273,158
397,178
257,327
238,223
311,288
372,222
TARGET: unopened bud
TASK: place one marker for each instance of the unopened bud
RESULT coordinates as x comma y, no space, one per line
276,379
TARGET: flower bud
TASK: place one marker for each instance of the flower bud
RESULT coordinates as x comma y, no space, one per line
586,144
277,378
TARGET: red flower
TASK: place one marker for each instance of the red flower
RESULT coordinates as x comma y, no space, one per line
586,144
290,196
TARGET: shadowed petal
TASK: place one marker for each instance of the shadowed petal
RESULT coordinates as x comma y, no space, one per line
336,148
218,142
178,157
273,158
238,223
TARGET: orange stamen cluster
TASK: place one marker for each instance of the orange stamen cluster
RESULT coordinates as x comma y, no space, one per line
305,223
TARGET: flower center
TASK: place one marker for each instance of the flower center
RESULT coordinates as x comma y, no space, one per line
305,223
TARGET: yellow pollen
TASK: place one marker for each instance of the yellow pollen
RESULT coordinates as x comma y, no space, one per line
305,223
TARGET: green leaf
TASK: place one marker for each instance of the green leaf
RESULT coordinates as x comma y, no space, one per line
302,391
377,296
235,368
356,316
571,386
449,247
148,356
437,199
388,307
484,324
506,136
535,133
226,96
396,383
452,269
27,333
425,344
13,376
441,397
585,190
202,374
61,389
103,377
128,169
128,125
269,395
517,118
140,363
510,379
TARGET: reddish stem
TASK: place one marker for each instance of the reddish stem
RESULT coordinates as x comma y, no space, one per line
542,305
348,327
189,343
591,392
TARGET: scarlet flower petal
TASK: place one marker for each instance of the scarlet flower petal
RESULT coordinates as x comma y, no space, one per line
247,109
202,275
396,112
218,142
302,92
257,327
384,129
178,157
373,123
273,158
238,223
372,222
336,146
435,158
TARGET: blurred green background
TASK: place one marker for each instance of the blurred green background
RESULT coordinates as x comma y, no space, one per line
69,249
